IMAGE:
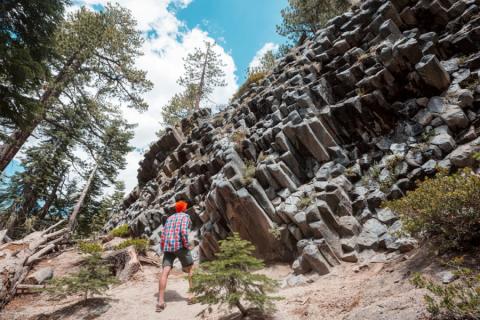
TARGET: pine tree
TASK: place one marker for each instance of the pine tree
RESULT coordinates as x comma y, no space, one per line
94,277
266,63
98,208
203,73
180,106
229,279
30,193
108,150
26,34
110,205
92,50
302,18
35,192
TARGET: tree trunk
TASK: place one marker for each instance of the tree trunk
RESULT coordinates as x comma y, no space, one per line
9,149
19,214
202,79
52,197
11,223
18,138
241,308
73,217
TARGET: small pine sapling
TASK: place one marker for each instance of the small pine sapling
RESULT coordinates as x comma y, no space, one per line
230,279
94,277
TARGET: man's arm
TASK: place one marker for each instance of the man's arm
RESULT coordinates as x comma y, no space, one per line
186,224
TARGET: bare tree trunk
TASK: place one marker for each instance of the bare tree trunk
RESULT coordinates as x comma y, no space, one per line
73,217
202,78
9,149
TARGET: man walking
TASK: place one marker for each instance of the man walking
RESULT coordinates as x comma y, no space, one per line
174,244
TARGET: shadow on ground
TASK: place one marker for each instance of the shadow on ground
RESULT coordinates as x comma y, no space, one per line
83,310
172,295
253,314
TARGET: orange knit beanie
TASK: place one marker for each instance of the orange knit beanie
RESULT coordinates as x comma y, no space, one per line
181,206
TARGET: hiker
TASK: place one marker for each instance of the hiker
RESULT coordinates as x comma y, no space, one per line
174,244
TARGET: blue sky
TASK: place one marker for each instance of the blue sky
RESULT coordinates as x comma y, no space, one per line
242,27
13,167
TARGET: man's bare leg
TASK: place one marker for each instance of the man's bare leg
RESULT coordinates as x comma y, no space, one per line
163,285
189,270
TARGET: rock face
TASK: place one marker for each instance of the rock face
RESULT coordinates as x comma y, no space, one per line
300,164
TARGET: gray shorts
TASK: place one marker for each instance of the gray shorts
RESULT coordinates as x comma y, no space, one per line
184,255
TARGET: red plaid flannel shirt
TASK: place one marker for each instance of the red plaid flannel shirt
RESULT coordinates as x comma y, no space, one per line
175,232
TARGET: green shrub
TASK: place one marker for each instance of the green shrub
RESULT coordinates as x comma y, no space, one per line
445,208
458,300
249,173
141,245
393,161
386,184
276,232
230,279
350,172
253,78
90,247
121,231
238,136
262,156
94,277
304,202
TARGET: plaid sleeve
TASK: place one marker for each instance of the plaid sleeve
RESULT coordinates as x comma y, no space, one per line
162,240
186,223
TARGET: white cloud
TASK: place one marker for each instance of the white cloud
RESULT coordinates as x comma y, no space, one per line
266,47
163,62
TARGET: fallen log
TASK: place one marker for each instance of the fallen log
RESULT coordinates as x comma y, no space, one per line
148,260
19,256
29,288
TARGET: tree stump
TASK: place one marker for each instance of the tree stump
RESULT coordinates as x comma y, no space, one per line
125,262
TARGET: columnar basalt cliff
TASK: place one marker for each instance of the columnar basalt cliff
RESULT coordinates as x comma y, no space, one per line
382,96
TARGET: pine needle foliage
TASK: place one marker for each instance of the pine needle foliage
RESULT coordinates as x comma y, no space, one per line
249,174
90,247
445,208
141,245
93,278
303,18
229,280
121,231
457,300
253,78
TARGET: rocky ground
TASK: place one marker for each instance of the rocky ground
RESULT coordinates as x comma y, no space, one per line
373,289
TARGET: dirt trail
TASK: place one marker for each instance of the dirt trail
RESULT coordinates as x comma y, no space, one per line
375,290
